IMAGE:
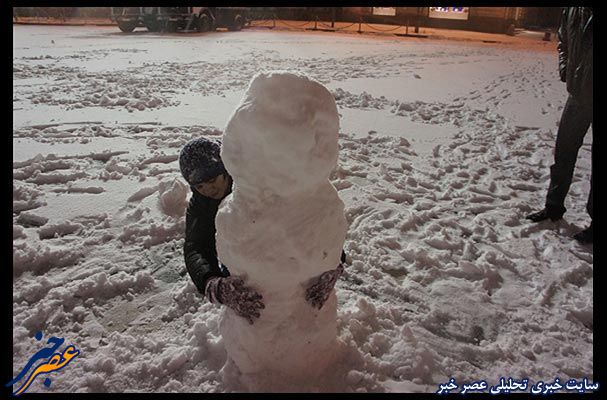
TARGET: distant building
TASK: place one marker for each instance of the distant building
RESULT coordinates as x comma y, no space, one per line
62,12
483,19
539,17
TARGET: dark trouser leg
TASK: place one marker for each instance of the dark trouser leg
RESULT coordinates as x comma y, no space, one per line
574,124
589,204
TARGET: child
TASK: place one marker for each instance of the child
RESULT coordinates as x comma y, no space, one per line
201,166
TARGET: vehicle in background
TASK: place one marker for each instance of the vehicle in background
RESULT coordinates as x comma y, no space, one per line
172,19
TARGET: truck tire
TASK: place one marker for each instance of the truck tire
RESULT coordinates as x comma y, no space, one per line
204,23
127,26
170,26
237,24
152,25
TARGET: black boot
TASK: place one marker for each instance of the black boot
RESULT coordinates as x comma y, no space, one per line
585,236
546,213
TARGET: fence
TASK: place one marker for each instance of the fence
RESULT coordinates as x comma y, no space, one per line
316,24
270,21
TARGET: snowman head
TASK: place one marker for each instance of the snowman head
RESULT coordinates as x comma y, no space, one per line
282,138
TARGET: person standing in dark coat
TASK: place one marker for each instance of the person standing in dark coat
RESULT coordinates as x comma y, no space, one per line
575,68
201,166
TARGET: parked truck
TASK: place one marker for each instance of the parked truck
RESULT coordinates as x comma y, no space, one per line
172,19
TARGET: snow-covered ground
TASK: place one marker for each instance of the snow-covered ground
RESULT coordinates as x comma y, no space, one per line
444,148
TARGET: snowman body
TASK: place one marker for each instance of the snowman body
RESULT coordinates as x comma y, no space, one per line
283,225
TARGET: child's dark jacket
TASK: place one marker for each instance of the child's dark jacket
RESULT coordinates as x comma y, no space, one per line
199,247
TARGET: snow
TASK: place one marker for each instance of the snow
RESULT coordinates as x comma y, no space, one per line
444,277
282,226
173,197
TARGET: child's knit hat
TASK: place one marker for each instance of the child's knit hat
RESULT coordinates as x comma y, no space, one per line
199,160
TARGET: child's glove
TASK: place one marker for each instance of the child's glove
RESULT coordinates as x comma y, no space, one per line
321,288
231,292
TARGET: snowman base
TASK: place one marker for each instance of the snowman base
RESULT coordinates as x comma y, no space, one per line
293,352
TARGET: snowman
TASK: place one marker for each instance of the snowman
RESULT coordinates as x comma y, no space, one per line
282,229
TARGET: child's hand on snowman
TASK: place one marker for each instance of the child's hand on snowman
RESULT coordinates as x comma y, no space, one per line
318,293
231,292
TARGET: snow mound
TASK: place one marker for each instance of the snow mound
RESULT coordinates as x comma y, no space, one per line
172,197
21,205
89,189
102,286
18,232
142,193
151,233
28,219
40,258
65,228
47,179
